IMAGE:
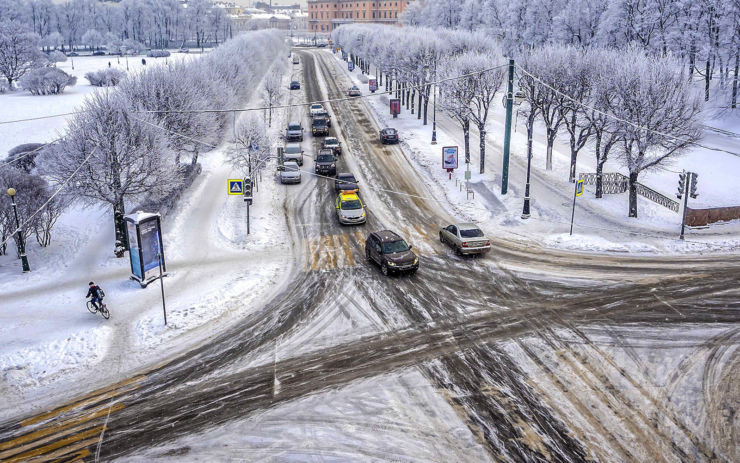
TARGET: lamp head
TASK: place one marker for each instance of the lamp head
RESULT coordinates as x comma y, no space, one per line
11,191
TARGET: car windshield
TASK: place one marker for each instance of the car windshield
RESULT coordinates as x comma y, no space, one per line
319,122
325,158
395,246
292,149
294,127
352,205
316,106
291,166
330,141
471,233
347,179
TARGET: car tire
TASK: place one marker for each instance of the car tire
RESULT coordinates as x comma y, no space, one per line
367,254
441,238
458,251
384,269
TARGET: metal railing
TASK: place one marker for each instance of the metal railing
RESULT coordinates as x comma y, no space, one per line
615,183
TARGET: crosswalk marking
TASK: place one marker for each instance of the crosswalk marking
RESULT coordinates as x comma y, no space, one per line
66,432
346,250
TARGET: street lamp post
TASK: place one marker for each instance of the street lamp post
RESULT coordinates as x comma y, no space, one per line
434,107
21,245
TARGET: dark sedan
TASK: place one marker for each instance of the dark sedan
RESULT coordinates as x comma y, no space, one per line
295,85
345,182
388,135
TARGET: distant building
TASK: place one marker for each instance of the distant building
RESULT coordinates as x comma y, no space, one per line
326,15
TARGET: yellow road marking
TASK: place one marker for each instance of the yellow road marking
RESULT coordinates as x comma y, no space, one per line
58,428
58,444
330,260
36,443
65,451
360,238
80,455
422,231
347,251
314,254
93,397
337,245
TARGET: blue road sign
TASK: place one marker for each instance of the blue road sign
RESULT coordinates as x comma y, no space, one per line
236,186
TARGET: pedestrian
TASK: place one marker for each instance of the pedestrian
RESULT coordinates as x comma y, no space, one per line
108,63
143,61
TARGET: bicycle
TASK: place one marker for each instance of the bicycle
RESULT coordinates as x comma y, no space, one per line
103,309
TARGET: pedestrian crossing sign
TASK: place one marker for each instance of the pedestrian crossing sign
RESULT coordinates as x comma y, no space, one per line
579,187
236,186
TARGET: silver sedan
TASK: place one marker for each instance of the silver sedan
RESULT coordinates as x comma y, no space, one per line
465,238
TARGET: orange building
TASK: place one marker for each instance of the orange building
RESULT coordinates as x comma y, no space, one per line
326,15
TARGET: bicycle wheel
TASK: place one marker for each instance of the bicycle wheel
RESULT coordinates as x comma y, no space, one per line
91,307
104,312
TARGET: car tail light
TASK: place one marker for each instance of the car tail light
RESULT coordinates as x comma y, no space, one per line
465,244
488,243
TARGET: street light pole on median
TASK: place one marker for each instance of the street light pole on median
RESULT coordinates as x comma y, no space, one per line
21,244
434,106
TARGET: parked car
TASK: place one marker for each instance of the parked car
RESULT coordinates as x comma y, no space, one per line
293,153
390,252
465,238
388,135
320,126
345,182
295,85
295,60
354,91
98,53
326,163
73,53
333,144
183,50
349,207
291,173
294,132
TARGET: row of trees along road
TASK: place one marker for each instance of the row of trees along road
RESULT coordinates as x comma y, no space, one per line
641,109
93,24
703,36
128,141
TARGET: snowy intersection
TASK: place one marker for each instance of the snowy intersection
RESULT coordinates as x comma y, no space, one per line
341,364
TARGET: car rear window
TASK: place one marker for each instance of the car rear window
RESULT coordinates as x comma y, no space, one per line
319,122
325,158
347,179
390,131
294,127
330,141
292,149
471,233
395,246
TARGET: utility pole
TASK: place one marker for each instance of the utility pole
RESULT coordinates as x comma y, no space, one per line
434,106
21,244
507,132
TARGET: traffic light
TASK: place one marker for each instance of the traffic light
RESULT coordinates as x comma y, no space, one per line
681,185
694,177
248,190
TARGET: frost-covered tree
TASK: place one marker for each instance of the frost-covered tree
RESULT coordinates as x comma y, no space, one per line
19,51
657,112
487,83
272,87
458,92
92,39
120,157
252,145
46,81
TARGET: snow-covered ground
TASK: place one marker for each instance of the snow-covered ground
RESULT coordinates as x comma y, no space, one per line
601,225
20,104
51,341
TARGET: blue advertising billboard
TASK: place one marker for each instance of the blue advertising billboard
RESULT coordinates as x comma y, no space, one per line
145,246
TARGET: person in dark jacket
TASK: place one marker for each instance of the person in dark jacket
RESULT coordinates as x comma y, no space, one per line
97,295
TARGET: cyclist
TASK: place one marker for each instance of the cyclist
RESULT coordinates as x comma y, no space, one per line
97,295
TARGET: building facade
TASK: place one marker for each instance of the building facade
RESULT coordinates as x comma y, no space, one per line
326,15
